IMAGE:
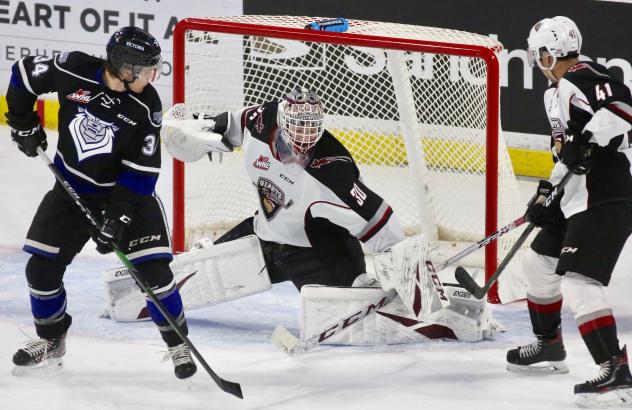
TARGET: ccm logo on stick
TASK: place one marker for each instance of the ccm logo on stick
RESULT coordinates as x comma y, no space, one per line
351,320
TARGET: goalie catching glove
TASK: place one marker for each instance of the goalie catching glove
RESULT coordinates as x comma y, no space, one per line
188,135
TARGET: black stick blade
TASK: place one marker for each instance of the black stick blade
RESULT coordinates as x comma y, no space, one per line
466,280
232,388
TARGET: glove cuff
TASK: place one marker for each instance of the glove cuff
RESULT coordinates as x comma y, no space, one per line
22,122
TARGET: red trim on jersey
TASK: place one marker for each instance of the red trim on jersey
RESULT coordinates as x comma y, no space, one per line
620,112
596,324
379,225
273,149
244,115
547,308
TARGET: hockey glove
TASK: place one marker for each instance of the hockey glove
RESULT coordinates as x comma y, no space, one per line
576,151
27,133
220,122
115,219
537,213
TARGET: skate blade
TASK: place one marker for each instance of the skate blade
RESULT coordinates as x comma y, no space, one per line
542,369
49,366
612,398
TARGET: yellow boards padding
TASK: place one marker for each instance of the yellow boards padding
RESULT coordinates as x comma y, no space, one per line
387,149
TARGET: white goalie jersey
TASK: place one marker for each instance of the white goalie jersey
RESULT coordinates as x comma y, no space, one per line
308,204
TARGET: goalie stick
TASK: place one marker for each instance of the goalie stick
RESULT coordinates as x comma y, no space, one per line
227,386
467,281
286,341
292,345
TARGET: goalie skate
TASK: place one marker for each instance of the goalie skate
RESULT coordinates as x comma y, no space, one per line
39,356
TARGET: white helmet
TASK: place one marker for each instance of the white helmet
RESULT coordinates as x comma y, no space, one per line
559,36
300,117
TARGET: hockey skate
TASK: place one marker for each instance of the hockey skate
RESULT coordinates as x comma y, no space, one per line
184,366
545,355
611,388
40,355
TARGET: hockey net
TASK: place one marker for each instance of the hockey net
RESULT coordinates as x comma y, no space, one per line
417,107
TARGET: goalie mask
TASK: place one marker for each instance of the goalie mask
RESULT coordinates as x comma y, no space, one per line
133,53
559,36
300,117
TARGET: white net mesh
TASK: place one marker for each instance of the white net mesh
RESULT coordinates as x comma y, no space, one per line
415,122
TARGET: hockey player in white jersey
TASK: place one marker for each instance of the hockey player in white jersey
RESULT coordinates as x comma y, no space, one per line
576,251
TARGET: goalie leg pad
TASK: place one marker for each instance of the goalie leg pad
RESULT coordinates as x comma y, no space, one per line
367,323
405,268
205,277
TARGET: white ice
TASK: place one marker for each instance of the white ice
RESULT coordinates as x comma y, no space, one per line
118,366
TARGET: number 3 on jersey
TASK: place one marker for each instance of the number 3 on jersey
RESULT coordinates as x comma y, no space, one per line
149,146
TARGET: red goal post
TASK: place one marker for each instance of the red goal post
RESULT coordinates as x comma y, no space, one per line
196,50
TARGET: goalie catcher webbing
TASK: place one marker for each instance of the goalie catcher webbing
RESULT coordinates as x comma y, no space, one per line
205,277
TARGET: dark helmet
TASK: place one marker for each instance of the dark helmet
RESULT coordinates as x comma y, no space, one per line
131,48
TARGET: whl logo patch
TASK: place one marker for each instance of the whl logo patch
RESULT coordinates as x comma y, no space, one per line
80,96
262,163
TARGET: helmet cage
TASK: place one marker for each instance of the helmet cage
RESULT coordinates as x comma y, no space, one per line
300,117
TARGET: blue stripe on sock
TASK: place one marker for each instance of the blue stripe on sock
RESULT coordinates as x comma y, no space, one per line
48,307
172,301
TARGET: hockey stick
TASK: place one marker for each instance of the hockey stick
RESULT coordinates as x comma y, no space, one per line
468,282
291,344
227,386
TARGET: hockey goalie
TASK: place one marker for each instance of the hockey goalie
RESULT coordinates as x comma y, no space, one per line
315,216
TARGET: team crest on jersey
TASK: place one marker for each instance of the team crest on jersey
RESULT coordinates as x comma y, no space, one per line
262,163
319,162
91,135
271,196
80,96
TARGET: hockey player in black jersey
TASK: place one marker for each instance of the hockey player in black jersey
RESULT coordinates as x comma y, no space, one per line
576,251
314,209
109,151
